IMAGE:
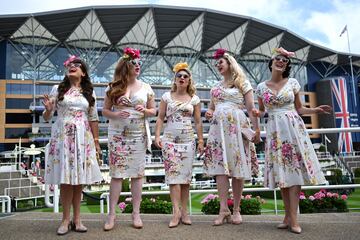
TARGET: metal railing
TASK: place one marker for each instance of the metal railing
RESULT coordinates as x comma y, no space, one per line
262,133
6,201
7,191
106,196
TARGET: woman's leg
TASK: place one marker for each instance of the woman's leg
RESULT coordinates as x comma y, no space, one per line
136,191
286,199
294,194
222,182
76,202
185,189
115,190
175,195
237,189
66,194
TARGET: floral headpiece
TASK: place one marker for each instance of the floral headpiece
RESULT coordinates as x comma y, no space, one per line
71,59
131,54
219,53
282,51
179,66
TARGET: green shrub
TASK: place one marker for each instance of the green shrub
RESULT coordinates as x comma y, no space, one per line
323,201
148,205
248,205
357,172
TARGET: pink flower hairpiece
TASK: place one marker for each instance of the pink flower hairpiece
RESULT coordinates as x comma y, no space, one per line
131,54
219,53
70,59
284,52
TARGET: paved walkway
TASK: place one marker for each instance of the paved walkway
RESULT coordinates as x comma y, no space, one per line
33,225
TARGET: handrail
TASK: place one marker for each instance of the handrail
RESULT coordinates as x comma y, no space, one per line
8,199
107,194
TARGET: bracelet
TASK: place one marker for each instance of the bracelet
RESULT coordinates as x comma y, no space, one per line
200,141
96,139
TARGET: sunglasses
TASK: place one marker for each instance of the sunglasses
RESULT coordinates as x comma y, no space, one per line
184,76
218,63
282,59
76,65
136,62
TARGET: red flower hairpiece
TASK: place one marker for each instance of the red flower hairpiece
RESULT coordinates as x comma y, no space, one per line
131,54
70,59
219,53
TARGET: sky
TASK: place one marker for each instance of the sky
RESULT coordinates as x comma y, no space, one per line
319,21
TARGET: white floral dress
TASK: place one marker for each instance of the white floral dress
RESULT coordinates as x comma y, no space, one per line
129,137
227,152
178,140
290,158
71,153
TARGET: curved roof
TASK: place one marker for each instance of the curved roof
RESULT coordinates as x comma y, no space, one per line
168,23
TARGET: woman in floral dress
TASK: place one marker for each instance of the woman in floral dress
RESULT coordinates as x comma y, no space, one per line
179,106
227,152
290,159
128,102
71,155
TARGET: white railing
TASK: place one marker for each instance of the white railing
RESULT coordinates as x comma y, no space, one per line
6,199
263,134
106,196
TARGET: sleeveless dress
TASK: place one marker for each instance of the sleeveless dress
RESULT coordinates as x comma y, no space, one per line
227,152
290,158
129,137
178,140
71,153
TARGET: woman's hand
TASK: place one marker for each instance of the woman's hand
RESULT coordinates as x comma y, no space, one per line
140,108
209,114
48,103
257,136
98,149
200,148
255,112
158,142
122,114
323,109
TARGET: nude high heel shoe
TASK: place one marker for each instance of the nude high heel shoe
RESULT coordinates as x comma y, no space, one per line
223,216
110,223
236,217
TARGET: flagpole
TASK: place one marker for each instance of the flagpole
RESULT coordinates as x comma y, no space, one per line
351,67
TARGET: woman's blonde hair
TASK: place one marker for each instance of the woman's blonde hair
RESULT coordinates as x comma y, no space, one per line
120,80
238,75
191,90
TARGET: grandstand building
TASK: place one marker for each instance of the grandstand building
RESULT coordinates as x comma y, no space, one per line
34,46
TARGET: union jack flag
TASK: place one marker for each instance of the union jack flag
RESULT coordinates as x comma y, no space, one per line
341,109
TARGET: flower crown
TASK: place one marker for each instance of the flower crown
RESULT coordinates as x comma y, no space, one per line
219,53
131,54
282,51
71,59
179,66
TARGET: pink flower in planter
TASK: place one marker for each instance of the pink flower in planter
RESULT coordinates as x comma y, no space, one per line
122,206
302,197
329,194
311,198
335,195
248,196
230,202
344,197
129,199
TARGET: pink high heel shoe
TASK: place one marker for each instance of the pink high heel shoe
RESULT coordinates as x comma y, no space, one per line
223,216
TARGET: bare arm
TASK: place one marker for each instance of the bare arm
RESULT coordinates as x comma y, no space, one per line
199,128
249,103
150,110
210,111
94,125
107,112
304,110
160,123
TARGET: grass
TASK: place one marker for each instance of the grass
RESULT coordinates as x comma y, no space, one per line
267,208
